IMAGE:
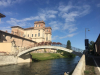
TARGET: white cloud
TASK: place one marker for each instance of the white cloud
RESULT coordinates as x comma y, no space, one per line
54,38
22,22
70,13
69,35
70,27
8,29
8,2
45,14
8,13
98,5
55,25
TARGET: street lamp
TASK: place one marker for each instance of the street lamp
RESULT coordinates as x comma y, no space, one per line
85,32
86,40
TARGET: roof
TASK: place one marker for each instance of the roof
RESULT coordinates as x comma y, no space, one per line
47,27
29,28
17,27
16,36
1,15
98,38
39,22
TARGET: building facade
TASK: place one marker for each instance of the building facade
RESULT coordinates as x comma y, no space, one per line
38,33
97,46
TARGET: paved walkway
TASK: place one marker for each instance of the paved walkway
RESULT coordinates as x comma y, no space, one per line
97,63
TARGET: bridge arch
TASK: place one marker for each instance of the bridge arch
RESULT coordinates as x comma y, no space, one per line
43,47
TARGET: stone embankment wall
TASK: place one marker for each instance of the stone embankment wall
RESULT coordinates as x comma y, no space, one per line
10,59
80,68
6,60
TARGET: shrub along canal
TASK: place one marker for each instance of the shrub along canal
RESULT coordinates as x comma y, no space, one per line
47,67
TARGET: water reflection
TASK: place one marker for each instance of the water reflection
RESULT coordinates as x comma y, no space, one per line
49,67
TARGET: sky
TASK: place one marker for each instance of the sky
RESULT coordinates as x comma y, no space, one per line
67,18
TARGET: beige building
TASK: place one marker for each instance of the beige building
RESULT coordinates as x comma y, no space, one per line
38,33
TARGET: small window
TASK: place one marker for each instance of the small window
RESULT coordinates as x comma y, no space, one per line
35,35
39,25
36,25
23,35
28,35
46,38
47,30
32,35
39,30
38,34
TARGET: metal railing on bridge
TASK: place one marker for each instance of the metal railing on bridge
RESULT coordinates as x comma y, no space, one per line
20,49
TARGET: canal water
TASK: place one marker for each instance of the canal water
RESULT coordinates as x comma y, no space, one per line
49,67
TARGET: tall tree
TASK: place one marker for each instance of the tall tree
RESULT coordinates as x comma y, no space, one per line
91,45
68,44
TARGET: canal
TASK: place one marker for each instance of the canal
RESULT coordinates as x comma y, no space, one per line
48,67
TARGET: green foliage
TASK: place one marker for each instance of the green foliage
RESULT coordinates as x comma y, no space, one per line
59,51
45,56
68,44
48,56
86,72
45,50
68,55
91,46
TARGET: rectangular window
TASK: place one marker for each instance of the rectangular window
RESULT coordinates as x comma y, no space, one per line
28,35
35,35
46,38
32,35
38,34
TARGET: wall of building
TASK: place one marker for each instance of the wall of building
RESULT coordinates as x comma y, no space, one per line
39,30
18,31
97,45
5,47
6,38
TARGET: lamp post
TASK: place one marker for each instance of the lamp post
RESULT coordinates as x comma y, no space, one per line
86,41
85,32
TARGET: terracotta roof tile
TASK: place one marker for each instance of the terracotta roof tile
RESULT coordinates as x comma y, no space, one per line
29,28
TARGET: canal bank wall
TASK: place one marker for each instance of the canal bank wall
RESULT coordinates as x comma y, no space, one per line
7,60
11,59
80,68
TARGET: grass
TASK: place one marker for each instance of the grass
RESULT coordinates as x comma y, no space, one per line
86,72
89,67
45,56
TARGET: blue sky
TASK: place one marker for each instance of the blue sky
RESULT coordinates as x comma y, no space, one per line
68,18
